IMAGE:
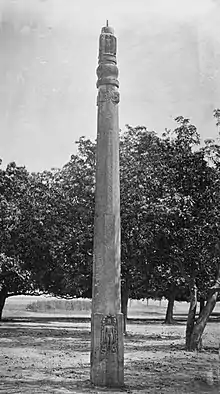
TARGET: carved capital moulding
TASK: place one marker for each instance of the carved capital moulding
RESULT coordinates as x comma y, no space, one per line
107,71
108,94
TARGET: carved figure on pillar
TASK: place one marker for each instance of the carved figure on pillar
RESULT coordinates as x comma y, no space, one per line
109,335
107,348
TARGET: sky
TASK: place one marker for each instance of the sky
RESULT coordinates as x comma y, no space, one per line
168,59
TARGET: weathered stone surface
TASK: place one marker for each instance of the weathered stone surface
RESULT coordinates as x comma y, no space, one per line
107,352
107,70
107,349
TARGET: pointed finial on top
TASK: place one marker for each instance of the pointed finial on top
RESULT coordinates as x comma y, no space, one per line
107,29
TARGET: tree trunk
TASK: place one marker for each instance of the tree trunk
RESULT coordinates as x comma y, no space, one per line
124,304
169,313
191,314
201,305
196,337
3,296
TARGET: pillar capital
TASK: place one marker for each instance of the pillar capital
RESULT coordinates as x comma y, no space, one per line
107,71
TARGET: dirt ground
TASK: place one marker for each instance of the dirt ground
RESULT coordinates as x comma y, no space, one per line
50,355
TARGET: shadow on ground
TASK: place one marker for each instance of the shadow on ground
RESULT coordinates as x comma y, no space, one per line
146,318
50,355
75,339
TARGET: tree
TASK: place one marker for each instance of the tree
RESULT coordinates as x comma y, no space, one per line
212,256
165,200
14,279
193,190
68,216
141,169
72,188
169,206
174,233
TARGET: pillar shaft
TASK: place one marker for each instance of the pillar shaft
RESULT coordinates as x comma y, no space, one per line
107,351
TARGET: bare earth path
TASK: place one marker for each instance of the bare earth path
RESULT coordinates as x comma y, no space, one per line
52,356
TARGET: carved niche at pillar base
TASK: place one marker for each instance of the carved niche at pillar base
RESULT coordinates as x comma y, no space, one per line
108,94
109,335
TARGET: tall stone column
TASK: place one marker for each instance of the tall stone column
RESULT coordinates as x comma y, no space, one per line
107,344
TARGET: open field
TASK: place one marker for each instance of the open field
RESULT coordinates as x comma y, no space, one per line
18,307
40,354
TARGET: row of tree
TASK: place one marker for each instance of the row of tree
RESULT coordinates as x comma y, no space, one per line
169,216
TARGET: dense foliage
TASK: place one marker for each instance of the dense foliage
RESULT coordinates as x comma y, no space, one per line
169,220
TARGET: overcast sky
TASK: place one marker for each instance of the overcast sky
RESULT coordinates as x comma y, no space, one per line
168,57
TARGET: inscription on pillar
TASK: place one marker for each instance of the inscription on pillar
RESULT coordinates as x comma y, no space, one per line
109,335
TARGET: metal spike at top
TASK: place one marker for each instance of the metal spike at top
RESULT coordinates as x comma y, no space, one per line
107,29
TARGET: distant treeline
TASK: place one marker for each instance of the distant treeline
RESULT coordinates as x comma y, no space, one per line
59,305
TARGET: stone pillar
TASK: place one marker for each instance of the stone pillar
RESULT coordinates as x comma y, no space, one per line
107,344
